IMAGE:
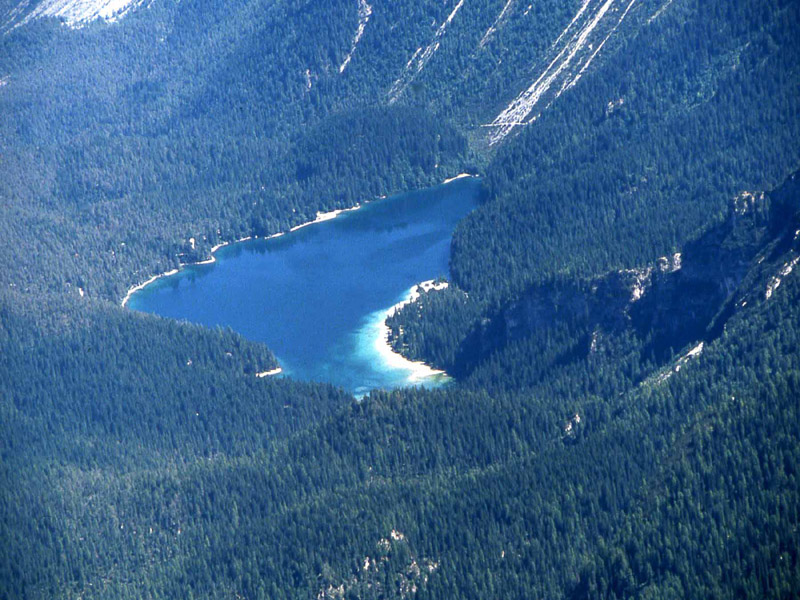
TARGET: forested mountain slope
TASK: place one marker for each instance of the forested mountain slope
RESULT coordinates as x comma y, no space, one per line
592,482
645,154
622,317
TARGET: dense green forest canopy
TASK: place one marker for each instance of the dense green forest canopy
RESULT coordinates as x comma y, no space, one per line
623,315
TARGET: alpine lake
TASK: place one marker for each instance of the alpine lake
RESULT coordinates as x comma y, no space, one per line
318,296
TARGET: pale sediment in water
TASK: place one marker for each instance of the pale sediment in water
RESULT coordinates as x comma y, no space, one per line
320,218
414,372
360,359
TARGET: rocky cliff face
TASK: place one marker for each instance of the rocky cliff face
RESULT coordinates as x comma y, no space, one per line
682,303
680,299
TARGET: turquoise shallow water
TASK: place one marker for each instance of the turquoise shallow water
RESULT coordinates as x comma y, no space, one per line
318,296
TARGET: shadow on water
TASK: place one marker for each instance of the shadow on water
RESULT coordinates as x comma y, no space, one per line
318,296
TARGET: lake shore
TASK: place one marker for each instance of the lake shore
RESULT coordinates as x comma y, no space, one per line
320,218
144,284
418,370
459,176
377,347
270,373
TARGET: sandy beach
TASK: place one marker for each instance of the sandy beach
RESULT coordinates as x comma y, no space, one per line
144,284
320,218
418,370
459,176
270,373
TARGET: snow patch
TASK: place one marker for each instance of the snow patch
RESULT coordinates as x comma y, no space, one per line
364,13
406,578
573,51
593,345
577,16
14,13
659,11
498,22
600,47
696,351
421,58
77,13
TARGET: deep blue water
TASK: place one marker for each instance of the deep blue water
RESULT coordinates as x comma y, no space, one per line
317,296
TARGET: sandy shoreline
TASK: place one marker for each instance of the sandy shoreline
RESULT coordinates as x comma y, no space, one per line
418,370
144,284
270,373
320,218
459,176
